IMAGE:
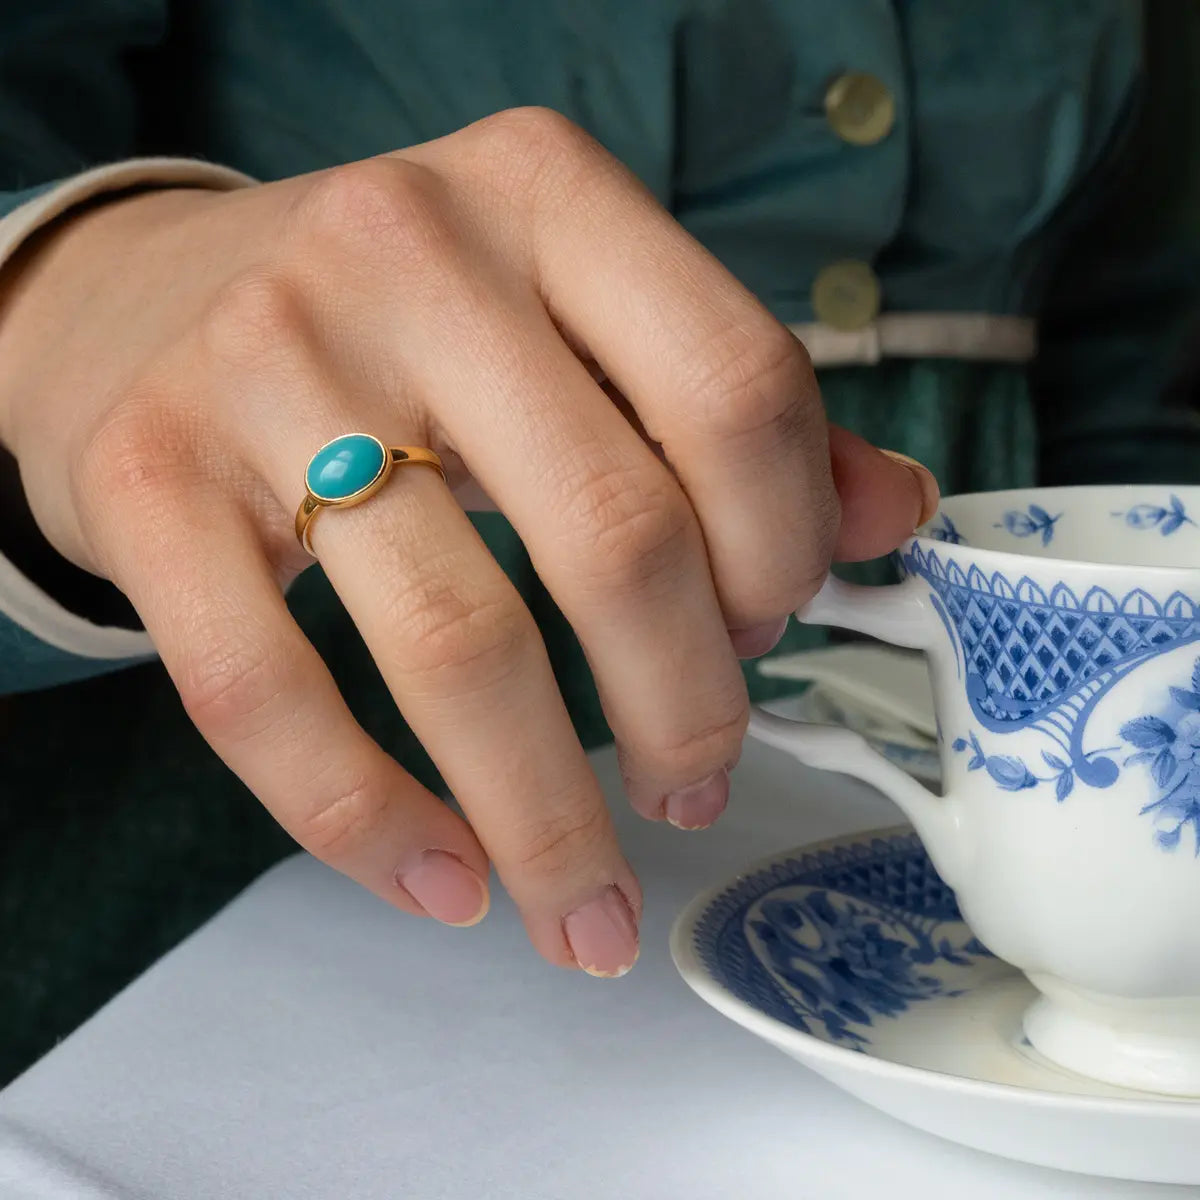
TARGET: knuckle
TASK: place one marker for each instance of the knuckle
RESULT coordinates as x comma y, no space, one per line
229,692
534,129
633,530
703,747
342,823
253,319
784,586
442,630
537,149
557,844
757,377
795,578
132,456
390,207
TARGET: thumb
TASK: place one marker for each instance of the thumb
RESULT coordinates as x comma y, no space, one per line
885,496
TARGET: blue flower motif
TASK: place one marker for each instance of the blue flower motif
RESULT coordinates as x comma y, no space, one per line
1153,516
1034,521
1171,751
946,532
1011,773
871,953
847,963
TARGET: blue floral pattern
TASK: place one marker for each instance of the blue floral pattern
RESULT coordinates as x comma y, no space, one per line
843,962
1043,659
1169,747
1035,520
1041,662
946,531
835,940
1012,774
1166,519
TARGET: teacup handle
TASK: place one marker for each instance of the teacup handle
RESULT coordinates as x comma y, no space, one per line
903,617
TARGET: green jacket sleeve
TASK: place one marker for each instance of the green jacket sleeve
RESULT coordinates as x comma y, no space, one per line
66,103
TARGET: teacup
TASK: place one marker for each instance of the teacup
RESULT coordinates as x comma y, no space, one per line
1062,631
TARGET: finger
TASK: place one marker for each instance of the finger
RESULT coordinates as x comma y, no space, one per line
885,496
726,390
260,695
464,660
607,526
612,536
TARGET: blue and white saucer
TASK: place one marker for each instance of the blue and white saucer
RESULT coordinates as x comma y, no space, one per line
851,957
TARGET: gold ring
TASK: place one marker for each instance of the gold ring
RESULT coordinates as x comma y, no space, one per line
349,470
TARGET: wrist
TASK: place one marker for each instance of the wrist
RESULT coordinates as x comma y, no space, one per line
58,215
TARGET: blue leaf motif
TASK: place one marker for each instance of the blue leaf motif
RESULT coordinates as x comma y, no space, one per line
1147,732
1010,773
1064,786
1171,524
1144,516
1019,524
1039,514
1052,760
1164,767
946,532
1168,839
977,755
1188,699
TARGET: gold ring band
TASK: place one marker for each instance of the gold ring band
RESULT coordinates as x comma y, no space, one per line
350,469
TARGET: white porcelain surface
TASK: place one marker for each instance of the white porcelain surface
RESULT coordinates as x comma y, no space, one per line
892,1002
880,681
910,751
1067,691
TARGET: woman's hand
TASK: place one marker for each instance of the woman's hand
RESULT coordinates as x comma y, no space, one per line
173,359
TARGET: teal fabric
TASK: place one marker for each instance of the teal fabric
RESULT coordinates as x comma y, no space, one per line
1016,180
1007,124
27,662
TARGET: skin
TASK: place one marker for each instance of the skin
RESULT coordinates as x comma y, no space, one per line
512,297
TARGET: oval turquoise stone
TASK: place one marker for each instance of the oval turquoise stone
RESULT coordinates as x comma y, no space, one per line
347,465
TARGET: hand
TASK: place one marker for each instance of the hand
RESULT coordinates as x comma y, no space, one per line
173,359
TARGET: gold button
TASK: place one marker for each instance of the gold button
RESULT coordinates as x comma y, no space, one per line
846,295
860,108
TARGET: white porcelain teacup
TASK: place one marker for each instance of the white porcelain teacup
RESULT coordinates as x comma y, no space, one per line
1062,630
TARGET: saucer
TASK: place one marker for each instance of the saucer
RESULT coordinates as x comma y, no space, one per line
850,956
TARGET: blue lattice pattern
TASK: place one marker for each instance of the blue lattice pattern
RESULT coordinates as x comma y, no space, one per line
1032,650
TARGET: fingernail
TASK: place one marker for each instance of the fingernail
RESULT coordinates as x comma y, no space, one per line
446,888
698,806
757,639
930,492
603,935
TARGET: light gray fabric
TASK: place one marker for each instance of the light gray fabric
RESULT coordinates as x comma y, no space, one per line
312,1043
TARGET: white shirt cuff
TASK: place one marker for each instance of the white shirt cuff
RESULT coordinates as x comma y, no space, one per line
21,601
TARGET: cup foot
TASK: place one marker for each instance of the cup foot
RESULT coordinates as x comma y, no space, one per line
1152,1046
